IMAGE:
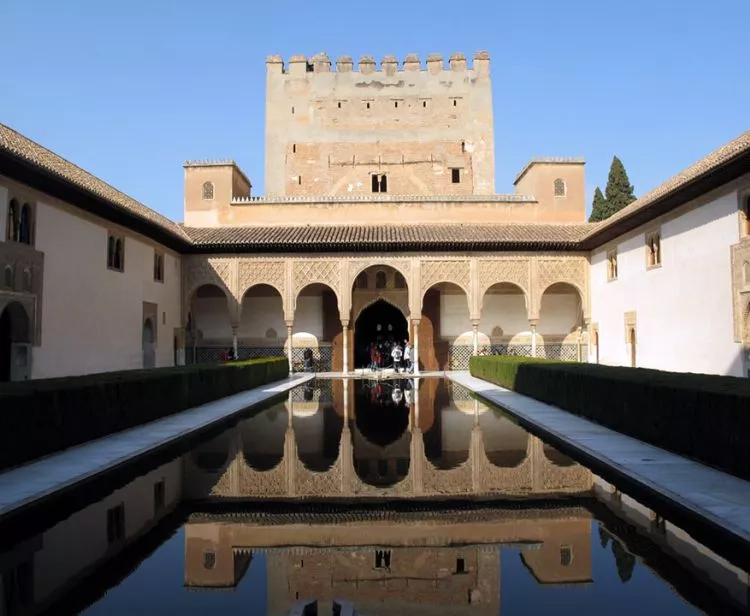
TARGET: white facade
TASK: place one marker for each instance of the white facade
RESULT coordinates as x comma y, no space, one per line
684,307
92,316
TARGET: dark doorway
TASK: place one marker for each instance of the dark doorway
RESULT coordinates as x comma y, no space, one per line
379,321
5,350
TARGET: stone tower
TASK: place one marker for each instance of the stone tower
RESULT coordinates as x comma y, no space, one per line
403,130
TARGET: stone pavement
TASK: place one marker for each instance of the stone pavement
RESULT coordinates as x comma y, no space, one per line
26,484
716,497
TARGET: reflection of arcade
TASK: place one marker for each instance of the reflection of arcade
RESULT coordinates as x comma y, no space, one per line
383,409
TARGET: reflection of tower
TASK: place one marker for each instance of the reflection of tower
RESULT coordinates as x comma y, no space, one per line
390,566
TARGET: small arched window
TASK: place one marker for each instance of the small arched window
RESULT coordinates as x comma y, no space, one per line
158,267
361,281
111,252
8,277
380,280
118,261
559,187
209,559
11,233
27,280
24,226
208,191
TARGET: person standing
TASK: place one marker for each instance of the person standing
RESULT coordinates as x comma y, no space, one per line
397,354
407,355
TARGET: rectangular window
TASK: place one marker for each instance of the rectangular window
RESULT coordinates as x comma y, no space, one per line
160,494
379,183
116,523
566,556
653,249
612,264
455,176
460,565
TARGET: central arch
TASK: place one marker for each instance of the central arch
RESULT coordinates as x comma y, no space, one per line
379,322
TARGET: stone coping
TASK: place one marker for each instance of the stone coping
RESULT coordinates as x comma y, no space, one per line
48,476
697,498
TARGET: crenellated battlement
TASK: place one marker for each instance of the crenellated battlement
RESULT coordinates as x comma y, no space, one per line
299,65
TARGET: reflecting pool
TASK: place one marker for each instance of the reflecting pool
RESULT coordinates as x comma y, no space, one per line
390,496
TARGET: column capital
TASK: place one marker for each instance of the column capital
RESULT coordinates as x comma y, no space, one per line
344,323
289,324
415,322
475,323
533,323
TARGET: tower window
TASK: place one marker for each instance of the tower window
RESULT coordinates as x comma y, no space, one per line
566,556
460,565
158,267
294,148
395,104
339,104
292,110
115,253
299,180
559,188
379,183
455,102
424,104
463,146
455,176
208,190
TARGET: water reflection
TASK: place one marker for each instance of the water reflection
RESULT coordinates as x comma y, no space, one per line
234,513
383,561
398,438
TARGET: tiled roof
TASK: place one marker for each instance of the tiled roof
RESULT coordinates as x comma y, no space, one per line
703,168
31,152
464,236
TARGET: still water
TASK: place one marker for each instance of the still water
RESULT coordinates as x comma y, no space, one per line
401,497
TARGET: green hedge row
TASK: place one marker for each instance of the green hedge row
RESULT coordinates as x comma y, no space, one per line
701,416
41,417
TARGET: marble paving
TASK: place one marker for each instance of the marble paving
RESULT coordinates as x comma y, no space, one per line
25,484
710,493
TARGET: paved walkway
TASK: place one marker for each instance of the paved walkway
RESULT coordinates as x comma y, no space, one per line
717,497
28,483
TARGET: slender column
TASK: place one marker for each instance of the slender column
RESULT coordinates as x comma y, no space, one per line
345,330
346,401
415,350
475,336
289,342
533,338
416,402
234,340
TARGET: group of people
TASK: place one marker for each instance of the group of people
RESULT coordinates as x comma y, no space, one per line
392,392
390,353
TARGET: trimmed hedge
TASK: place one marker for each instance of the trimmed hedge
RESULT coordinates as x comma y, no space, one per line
41,417
701,416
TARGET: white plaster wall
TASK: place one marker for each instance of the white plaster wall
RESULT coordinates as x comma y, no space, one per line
507,311
65,555
211,316
92,316
454,315
259,314
684,308
559,314
308,317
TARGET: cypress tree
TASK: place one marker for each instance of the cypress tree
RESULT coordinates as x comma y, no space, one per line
599,206
619,191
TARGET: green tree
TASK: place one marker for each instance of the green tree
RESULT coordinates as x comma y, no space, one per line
599,206
619,191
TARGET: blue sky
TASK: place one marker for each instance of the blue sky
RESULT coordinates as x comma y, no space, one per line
129,90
